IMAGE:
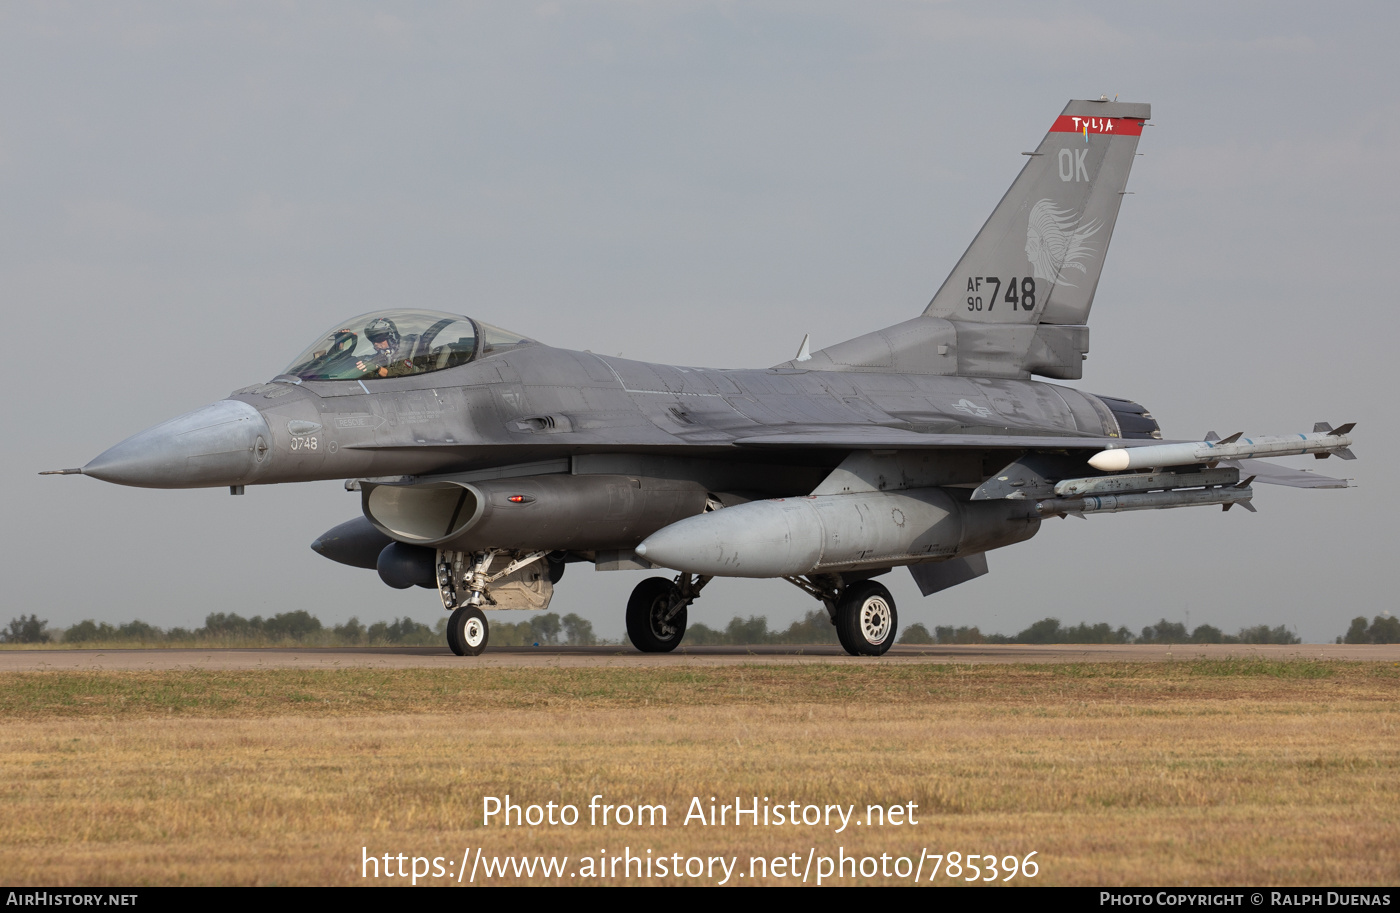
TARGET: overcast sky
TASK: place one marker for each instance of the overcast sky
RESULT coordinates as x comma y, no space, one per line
190,193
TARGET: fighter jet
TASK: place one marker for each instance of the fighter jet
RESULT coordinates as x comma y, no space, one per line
487,461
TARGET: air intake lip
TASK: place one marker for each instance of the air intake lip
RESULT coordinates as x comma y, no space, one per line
423,514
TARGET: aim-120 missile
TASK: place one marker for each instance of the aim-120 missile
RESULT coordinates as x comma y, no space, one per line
1149,500
1322,442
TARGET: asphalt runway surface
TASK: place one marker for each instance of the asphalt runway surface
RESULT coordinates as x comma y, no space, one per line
19,660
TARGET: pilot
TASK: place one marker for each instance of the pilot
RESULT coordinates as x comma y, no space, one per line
385,361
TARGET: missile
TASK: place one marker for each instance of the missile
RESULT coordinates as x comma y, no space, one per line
1322,442
1150,500
1145,481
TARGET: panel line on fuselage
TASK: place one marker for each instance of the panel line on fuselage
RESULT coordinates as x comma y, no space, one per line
627,389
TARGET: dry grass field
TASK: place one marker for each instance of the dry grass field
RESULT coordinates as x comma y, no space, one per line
1191,773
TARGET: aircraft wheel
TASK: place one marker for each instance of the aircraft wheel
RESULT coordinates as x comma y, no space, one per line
865,619
467,631
645,613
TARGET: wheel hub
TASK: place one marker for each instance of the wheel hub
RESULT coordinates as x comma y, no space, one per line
659,626
875,620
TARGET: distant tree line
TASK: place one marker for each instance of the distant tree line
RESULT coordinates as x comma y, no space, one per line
1383,629
1051,631
296,628
549,629
815,628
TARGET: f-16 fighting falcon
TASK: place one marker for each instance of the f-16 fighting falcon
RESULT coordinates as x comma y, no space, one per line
487,461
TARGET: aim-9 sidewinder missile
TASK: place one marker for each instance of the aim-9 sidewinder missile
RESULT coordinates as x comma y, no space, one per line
1323,442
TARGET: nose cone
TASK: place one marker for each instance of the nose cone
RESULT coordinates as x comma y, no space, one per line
225,443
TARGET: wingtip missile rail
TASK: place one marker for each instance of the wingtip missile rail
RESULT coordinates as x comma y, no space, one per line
1324,441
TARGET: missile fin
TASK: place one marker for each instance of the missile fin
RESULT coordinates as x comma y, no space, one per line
1245,483
1321,427
1211,437
1345,453
804,351
1231,439
1345,429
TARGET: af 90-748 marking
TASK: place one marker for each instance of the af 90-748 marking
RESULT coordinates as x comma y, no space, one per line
1025,300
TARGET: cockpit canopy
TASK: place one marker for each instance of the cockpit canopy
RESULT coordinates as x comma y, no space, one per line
400,343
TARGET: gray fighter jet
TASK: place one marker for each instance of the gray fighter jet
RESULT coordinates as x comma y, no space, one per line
487,461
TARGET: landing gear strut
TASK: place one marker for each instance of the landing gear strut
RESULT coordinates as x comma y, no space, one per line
656,611
863,612
464,582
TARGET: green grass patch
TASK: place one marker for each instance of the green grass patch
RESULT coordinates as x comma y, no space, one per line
241,693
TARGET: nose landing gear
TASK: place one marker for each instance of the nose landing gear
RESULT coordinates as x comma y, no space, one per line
467,631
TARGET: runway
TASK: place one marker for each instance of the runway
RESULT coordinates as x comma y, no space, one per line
20,660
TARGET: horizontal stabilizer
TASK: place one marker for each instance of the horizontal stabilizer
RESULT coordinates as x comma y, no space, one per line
1274,474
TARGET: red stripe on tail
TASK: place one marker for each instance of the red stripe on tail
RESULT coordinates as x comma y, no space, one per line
1124,126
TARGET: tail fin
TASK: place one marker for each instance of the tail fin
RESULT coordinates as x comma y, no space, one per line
1017,303
1037,259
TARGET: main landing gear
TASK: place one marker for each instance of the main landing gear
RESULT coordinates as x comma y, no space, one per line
863,611
656,611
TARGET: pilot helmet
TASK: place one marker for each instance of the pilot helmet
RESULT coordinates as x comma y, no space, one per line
381,330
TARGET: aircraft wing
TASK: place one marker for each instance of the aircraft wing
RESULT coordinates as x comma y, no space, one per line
879,438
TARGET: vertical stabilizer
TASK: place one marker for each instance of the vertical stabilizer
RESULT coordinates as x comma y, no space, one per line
1038,258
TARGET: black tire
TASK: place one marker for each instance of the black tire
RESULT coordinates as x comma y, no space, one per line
645,608
866,621
467,631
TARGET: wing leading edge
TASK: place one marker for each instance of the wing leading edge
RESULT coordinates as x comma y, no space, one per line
877,438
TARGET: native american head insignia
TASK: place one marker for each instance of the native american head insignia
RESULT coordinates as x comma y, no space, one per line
1056,242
